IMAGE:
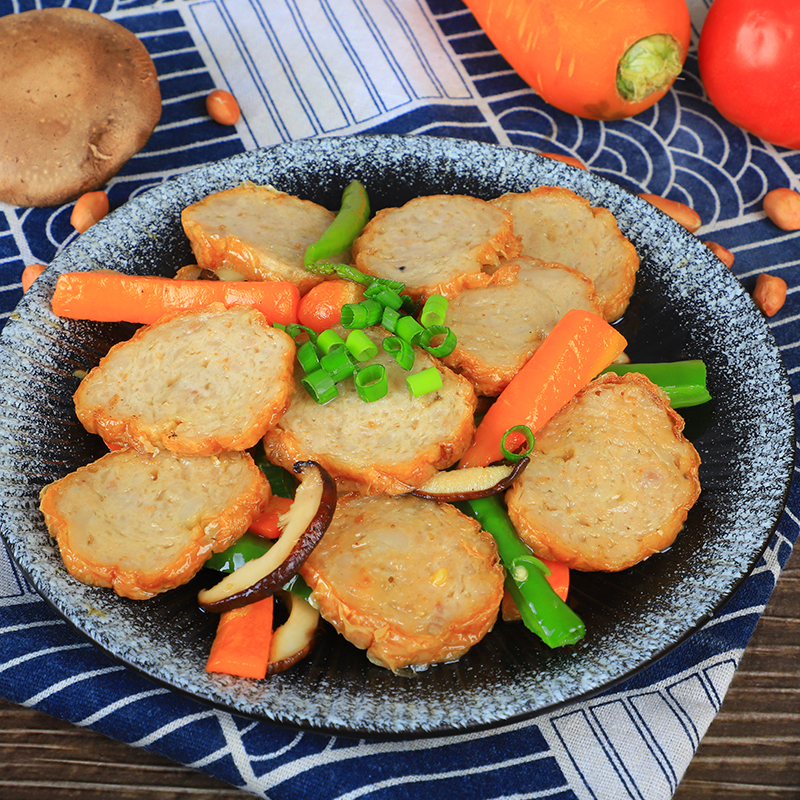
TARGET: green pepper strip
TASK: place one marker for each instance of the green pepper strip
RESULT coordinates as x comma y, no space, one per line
246,549
683,381
347,224
543,611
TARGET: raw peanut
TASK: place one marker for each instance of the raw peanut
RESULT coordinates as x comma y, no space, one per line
30,274
770,293
722,253
782,206
680,212
89,208
566,159
222,107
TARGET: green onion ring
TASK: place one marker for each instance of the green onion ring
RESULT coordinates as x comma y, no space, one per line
428,380
527,433
308,356
402,351
434,310
439,350
361,346
372,382
320,386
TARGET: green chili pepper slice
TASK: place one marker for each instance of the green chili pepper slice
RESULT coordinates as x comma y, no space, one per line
543,611
347,224
683,381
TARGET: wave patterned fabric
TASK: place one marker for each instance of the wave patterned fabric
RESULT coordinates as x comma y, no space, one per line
311,68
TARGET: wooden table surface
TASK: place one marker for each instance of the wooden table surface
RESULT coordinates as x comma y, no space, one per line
751,750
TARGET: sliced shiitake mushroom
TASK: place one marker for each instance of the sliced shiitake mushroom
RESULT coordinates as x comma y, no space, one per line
470,483
295,639
303,526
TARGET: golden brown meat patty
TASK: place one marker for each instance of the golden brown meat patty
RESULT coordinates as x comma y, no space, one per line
611,479
142,524
257,233
79,96
498,327
388,446
558,225
197,383
437,244
411,581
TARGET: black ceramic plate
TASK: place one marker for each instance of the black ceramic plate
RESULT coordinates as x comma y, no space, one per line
686,305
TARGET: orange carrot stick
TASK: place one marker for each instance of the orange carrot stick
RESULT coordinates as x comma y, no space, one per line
115,297
267,525
242,642
321,307
578,349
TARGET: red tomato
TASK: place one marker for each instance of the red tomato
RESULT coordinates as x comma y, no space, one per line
749,59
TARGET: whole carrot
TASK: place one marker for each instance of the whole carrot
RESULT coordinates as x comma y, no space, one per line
115,297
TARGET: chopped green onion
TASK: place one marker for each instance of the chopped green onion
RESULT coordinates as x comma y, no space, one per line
389,319
428,380
434,310
308,356
372,382
390,283
402,351
361,315
410,305
361,346
300,332
527,434
329,340
385,295
320,386
440,350
338,363
409,329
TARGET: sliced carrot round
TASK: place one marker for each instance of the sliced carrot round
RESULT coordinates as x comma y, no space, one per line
321,307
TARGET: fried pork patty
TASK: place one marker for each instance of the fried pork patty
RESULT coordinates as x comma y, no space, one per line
498,327
258,232
555,224
611,479
437,244
198,382
144,524
388,446
411,581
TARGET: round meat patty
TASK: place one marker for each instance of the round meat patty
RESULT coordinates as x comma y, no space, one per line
388,446
437,244
556,224
500,326
143,524
196,383
611,478
411,581
257,233
79,95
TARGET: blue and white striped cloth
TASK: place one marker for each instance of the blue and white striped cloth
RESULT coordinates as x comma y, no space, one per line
309,68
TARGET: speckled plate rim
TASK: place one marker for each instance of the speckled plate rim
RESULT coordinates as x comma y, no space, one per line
34,367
